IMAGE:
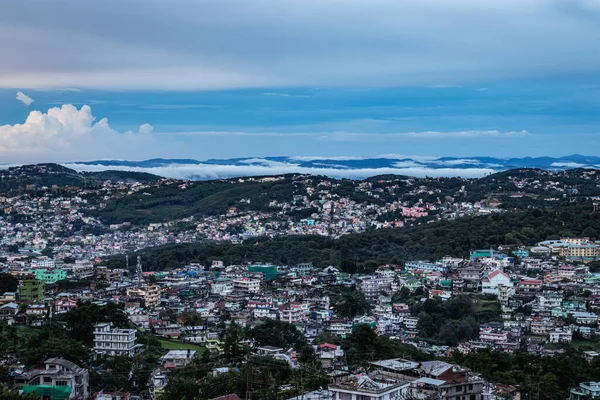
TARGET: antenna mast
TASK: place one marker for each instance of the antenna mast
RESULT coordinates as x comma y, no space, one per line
139,271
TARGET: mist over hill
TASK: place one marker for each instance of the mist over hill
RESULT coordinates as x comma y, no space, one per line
337,167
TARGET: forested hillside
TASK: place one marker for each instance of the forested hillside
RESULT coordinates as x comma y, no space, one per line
34,177
367,250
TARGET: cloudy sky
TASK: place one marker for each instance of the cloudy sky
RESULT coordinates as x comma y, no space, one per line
82,80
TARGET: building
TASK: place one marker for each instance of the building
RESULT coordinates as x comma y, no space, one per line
246,285
178,358
32,290
472,272
49,276
426,266
489,284
361,387
588,251
83,269
451,382
529,286
111,396
114,342
150,294
585,391
59,379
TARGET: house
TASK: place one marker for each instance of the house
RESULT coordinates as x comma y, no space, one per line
111,396
529,286
585,391
364,387
451,382
9,311
329,354
114,342
178,358
59,379
32,290
490,283
560,335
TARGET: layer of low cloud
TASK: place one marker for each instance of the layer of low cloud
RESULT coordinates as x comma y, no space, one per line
23,98
68,133
206,171
222,44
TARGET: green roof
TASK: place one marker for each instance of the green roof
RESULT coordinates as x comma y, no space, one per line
52,392
270,271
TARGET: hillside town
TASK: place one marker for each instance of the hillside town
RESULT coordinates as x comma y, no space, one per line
290,331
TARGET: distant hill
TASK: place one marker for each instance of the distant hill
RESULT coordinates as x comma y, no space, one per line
520,188
35,177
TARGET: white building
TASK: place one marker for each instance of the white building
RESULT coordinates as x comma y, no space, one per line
489,284
114,342
560,335
221,287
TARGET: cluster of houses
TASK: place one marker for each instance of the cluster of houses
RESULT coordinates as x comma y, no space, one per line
543,304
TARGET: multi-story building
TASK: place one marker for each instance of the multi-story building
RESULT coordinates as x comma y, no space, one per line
49,276
490,283
450,382
108,275
364,387
221,287
295,312
560,335
589,251
150,294
45,263
472,272
504,294
114,342
529,286
585,391
83,269
32,290
246,285
59,379
426,266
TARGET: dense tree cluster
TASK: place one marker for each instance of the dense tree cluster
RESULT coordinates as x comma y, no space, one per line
447,322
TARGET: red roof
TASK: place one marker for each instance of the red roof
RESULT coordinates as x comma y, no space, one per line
328,345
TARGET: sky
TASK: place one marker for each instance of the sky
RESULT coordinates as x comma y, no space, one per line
85,80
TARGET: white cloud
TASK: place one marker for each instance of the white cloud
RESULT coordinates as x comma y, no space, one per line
146,129
67,133
481,89
206,171
350,136
568,165
23,98
332,158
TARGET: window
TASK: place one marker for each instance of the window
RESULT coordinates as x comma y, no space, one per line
459,389
61,383
470,386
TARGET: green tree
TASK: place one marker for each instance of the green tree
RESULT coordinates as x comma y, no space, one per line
350,303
